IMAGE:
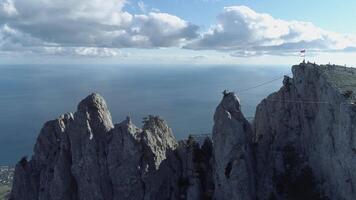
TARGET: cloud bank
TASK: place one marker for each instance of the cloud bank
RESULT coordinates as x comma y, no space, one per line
101,27
35,25
248,33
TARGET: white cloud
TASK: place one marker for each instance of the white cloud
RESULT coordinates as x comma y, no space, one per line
200,57
87,24
142,6
7,8
161,29
96,52
242,53
248,33
98,28
14,40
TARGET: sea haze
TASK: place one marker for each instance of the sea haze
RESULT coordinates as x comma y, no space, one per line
185,96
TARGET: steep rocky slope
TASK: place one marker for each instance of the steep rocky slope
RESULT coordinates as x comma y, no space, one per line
305,136
300,146
233,155
84,156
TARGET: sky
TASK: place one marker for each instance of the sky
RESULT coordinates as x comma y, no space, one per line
177,31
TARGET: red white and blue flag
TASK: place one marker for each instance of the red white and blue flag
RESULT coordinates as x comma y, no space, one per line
302,53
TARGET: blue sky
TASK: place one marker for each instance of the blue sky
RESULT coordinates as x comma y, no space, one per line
176,31
329,14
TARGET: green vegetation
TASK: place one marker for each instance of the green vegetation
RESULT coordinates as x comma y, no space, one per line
6,176
4,191
342,77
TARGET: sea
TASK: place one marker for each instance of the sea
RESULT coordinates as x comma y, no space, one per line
185,96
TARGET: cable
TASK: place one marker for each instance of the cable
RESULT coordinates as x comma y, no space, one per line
262,84
291,101
287,101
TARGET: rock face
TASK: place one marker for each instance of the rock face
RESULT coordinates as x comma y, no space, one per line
83,156
305,136
301,146
233,154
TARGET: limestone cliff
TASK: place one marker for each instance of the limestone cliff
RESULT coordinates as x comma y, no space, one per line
300,146
305,136
233,154
83,156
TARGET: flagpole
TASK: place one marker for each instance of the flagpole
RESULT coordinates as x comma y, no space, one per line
303,52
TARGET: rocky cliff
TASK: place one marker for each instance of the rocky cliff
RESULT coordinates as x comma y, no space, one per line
85,156
300,146
234,174
304,136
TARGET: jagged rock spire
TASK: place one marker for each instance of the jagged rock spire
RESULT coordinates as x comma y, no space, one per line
94,108
233,157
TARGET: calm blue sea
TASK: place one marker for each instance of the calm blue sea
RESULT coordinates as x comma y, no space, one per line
186,96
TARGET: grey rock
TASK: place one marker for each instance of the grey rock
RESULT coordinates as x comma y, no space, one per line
49,167
304,136
233,153
83,156
301,145
185,174
135,155
88,138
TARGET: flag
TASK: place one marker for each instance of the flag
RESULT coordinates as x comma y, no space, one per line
302,53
